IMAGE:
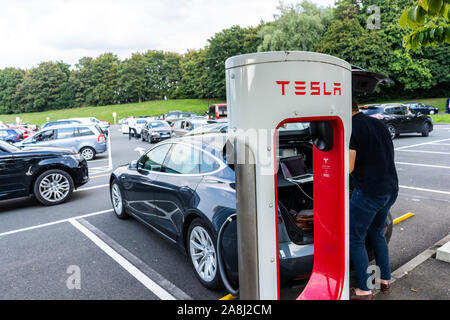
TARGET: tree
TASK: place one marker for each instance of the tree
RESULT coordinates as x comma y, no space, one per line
225,44
10,78
297,27
349,41
41,88
132,82
104,79
428,20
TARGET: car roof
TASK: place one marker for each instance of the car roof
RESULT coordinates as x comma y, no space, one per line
70,125
213,143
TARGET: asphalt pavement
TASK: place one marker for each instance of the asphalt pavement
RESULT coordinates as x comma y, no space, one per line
80,250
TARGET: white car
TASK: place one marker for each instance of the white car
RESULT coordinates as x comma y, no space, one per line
140,123
91,120
124,126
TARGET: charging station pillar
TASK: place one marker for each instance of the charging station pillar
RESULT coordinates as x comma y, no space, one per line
264,91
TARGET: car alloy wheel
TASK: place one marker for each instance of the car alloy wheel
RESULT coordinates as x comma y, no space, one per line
203,254
392,131
88,153
117,201
54,187
425,129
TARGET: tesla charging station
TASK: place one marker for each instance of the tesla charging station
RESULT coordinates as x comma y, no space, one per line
264,92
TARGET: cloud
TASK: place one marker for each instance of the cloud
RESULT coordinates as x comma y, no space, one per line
33,31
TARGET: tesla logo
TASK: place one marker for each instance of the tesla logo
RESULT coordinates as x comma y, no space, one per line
326,160
313,88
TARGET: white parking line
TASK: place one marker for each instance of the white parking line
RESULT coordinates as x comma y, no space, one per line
53,223
425,151
425,190
92,188
138,263
135,272
421,144
422,165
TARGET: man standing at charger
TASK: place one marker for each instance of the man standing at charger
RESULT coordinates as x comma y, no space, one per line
375,182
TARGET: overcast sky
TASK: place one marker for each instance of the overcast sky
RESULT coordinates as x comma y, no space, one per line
32,31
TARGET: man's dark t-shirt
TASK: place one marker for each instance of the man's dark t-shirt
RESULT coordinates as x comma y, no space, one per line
374,173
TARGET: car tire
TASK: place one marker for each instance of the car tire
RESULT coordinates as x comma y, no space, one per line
53,187
202,251
425,129
88,153
392,131
117,201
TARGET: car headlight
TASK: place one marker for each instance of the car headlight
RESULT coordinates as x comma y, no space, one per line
77,157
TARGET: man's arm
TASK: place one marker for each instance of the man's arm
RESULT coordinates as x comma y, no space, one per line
351,160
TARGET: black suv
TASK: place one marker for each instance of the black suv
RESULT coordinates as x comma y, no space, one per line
399,119
51,174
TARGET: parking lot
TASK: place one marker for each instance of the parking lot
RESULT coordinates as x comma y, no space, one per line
42,248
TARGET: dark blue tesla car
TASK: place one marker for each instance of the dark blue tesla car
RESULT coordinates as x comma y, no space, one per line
184,189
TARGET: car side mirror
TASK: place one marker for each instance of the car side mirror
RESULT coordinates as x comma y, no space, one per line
322,134
133,165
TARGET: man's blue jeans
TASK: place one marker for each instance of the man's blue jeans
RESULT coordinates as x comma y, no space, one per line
367,218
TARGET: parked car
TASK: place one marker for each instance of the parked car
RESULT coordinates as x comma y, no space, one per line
156,130
421,107
104,125
140,123
184,189
181,127
50,174
398,120
88,140
221,127
59,123
177,115
11,135
217,111
26,132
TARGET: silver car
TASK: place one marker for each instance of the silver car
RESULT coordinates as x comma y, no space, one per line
87,139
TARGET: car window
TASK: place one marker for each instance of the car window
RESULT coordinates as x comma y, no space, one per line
184,159
84,132
154,159
208,163
397,111
45,136
65,133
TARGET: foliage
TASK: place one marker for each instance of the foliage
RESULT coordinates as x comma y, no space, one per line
429,21
296,28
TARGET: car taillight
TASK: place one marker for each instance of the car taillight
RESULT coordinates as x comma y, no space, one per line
101,138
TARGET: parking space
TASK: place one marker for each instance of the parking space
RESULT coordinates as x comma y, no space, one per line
122,259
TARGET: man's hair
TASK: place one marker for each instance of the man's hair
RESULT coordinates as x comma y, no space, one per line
355,107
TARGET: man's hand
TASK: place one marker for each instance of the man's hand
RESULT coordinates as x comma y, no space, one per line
351,161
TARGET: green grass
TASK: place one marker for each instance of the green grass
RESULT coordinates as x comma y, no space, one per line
150,108
441,118
153,108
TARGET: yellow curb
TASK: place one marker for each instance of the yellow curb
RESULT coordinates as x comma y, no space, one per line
403,217
228,297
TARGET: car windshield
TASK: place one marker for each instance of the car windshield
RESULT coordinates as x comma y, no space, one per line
8,147
157,124
141,121
371,110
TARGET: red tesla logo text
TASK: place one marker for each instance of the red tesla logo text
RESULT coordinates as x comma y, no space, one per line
313,88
